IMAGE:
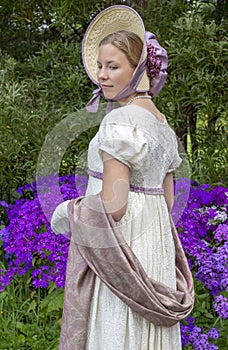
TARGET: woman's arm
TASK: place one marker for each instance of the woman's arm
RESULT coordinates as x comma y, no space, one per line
168,186
115,187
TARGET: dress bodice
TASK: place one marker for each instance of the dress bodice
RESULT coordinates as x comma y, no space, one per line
138,139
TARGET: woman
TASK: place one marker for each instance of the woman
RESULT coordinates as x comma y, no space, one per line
130,161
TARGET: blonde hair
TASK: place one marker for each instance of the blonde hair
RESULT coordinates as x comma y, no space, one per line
127,42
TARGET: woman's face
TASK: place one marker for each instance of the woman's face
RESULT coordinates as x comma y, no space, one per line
114,70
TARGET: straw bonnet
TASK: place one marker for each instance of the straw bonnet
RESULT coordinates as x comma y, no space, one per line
150,73
110,20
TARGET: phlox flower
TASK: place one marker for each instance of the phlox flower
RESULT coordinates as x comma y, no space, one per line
212,270
203,222
30,245
221,233
213,333
28,241
192,335
221,306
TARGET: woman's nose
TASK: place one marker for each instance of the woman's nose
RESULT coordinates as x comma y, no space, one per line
102,74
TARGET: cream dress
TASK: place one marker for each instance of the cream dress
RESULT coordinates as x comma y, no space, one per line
148,147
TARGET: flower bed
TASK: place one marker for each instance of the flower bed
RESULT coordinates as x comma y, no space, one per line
31,247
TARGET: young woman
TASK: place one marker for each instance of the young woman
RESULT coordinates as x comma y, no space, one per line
130,161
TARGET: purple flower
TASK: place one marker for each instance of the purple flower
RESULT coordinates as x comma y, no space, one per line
213,270
3,204
4,233
28,240
192,335
213,333
203,222
153,62
221,233
30,245
221,306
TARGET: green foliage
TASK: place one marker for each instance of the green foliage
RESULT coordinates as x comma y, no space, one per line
42,80
195,97
34,97
203,308
206,316
209,161
30,319
29,24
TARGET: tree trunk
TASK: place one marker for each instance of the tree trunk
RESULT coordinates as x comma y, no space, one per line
192,119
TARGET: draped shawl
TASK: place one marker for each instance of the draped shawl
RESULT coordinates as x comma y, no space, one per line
98,248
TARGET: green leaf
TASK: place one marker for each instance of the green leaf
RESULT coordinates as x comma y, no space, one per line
52,302
32,306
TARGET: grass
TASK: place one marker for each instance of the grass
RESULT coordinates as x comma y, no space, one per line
30,318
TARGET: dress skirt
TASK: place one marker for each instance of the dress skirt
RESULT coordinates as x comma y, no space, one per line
112,324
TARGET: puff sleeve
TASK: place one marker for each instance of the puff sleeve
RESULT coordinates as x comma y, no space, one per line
59,220
124,142
176,159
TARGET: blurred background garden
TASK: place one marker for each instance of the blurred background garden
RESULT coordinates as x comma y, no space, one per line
42,82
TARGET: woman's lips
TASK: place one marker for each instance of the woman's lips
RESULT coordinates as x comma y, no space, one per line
103,86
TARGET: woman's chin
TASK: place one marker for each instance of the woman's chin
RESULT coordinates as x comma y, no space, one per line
108,96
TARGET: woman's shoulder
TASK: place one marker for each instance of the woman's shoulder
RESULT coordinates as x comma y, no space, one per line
137,116
117,115
131,114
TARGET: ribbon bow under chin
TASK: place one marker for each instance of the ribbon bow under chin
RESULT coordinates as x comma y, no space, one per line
93,104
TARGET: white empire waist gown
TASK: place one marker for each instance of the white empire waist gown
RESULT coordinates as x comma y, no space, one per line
149,148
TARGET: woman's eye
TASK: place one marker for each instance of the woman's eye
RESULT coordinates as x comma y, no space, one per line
113,67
